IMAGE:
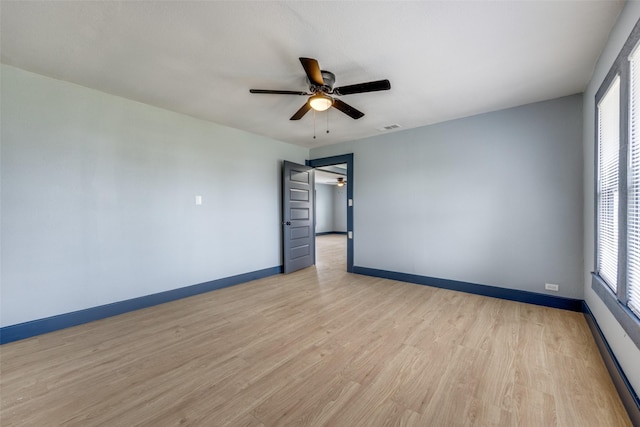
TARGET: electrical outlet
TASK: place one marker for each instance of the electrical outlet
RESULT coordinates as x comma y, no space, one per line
551,287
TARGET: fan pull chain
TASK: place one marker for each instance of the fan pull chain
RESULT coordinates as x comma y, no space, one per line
314,124
327,121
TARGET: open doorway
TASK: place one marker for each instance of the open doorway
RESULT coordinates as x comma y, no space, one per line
331,216
334,231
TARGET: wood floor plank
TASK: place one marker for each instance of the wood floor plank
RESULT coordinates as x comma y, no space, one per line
318,347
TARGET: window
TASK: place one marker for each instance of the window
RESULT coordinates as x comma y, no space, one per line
617,260
633,221
608,159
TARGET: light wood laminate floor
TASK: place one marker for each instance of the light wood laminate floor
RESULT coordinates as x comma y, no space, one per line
316,347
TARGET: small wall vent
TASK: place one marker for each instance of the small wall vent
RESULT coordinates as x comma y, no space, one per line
389,127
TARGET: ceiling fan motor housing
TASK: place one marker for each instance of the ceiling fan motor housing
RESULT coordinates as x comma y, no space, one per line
329,80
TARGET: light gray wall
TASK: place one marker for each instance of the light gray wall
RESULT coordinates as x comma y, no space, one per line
331,208
625,350
340,208
493,199
98,198
324,208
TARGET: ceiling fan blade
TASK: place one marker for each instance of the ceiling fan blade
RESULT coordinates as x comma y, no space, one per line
301,112
312,68
347,109
278,92
363,87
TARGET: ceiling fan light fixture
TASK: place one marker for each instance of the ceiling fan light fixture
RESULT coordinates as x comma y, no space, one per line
320,102
341,182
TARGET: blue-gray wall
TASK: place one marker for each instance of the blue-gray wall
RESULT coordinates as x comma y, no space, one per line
340,208
331,208
493,199
626,352
324,208
98,198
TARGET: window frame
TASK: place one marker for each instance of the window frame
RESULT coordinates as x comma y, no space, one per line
617,301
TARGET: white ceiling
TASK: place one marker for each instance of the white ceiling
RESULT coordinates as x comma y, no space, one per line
445,59
329,174
327,178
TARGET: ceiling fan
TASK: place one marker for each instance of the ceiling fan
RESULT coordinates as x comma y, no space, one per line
322,94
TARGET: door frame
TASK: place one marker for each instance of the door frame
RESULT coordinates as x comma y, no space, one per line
336,160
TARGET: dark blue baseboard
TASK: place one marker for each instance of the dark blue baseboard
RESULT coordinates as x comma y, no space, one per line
628,396
324,233
473,288
41,326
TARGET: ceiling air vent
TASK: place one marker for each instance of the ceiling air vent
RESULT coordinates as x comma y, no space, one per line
389,127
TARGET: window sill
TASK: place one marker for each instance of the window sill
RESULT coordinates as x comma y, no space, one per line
627,319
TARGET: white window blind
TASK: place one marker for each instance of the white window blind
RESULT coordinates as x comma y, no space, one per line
633,219
607,212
